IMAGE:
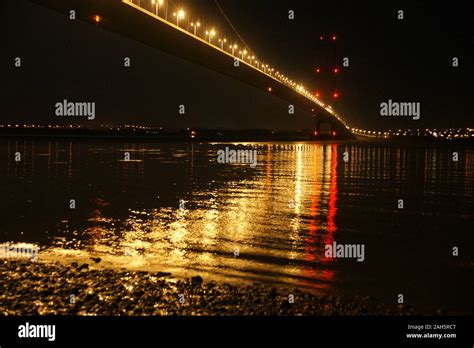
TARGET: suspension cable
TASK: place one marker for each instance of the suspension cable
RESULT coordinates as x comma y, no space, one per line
232,26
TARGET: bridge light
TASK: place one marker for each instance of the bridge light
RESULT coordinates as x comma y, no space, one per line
195,26
318,94
180,15
211,34
335,95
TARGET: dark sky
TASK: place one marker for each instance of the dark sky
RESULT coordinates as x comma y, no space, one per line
408,60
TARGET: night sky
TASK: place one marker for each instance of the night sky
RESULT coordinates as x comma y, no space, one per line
404,60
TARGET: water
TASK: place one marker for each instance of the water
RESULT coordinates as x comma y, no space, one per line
173,208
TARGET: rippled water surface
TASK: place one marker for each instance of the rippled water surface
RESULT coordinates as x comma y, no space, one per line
173,208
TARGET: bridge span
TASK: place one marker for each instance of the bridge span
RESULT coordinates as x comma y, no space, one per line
127,18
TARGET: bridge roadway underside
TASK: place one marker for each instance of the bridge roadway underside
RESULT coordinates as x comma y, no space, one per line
120,18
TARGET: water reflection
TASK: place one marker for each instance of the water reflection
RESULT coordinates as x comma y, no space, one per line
237,223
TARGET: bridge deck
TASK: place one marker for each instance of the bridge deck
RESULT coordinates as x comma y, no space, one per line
131,21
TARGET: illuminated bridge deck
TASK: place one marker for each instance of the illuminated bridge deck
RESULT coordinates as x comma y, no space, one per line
132,21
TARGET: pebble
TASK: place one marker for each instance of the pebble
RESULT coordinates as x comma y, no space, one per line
30,288
196,280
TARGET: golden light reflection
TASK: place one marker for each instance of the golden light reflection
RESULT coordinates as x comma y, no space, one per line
314,248
268,176
298,180
245,210
331,217
244,231
310,242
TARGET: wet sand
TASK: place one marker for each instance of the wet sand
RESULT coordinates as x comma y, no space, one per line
29,288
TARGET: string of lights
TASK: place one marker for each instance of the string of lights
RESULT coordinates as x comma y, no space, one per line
178,17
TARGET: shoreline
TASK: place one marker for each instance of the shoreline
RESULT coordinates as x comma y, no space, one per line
53,289
196,135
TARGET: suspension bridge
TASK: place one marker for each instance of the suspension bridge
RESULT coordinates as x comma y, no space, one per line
162,25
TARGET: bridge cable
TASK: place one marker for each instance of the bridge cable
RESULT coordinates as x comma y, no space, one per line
232,26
